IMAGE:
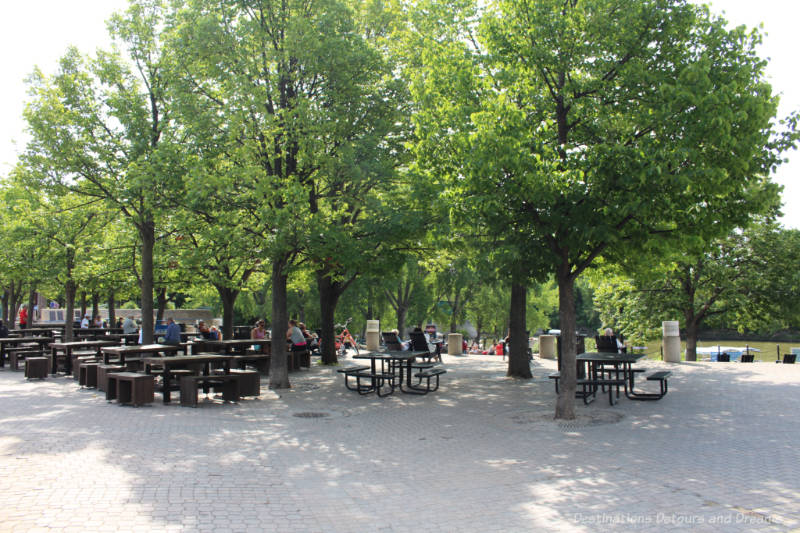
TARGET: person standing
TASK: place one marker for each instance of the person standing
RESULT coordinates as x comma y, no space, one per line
23,317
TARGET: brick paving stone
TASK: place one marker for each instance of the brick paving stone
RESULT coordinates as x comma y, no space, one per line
718,453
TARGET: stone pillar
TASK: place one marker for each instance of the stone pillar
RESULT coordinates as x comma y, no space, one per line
455,344
373,335
671,341
547,346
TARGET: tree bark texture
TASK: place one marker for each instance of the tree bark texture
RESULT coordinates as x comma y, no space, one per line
279,368
69,295
112,313
147,233
565,403
328,299
518,364
228,297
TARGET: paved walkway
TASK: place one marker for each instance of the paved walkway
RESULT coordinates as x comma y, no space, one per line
721,452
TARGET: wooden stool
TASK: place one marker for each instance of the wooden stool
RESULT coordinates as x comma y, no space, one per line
129,387
229,383
88,374
15,356
36,367
249,381
102,374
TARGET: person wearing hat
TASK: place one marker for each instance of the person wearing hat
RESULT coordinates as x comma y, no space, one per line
85,322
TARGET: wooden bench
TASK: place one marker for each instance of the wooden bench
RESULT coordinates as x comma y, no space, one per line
349,372
259,361
15,355
229,383
249,381
102,374
130,387
429,373
37,367
88,374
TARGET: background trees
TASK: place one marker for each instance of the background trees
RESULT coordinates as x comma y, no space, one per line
445,159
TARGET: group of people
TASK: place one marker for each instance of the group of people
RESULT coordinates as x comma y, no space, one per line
297,335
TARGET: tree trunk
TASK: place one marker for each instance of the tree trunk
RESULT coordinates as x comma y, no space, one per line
454,310
95,304
565,404
691,340
402,311
162,303
328,299
31,305
518,364
147,233
69,297
83,304
15,299
279,368
112,314
228,297
4,299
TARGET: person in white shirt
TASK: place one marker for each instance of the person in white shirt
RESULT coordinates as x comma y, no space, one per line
85,322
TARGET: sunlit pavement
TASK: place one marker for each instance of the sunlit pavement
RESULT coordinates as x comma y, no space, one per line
721,452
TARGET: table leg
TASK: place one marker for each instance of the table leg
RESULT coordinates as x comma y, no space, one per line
54,358
167,384
68,361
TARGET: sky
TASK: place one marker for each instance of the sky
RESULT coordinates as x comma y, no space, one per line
38,32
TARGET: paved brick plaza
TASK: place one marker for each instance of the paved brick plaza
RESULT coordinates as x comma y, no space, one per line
721,452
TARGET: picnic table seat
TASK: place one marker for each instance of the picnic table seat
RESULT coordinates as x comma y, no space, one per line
15,355
88,374
227,383
588,387
102,374
249,381
130,388
428,374
349,372
37,367
661,377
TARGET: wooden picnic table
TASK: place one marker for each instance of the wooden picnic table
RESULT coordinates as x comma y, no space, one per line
69,347
168,363
229,346
6,341
123,351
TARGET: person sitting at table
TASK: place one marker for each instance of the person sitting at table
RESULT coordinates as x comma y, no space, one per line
129,326
216,334
609,333
98,322
203,330
173,334
259,333
85,322
296,337
3,330
311,338
404,345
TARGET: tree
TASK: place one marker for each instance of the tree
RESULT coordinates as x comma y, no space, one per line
739,280
102,128
598,129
